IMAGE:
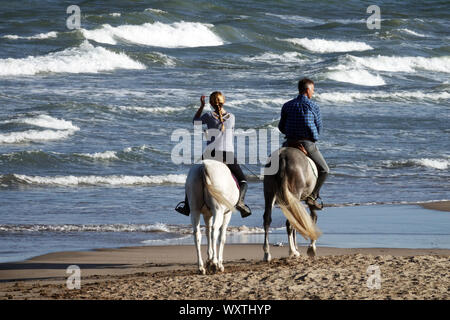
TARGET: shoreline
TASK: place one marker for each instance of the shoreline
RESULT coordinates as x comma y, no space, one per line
437,206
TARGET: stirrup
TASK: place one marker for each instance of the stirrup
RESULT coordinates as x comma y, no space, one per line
310,201
244,210
181,208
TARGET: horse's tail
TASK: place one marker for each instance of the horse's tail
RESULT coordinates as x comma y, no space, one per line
214,191
292,208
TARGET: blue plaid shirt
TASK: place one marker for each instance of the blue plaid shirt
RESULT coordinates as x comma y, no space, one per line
300,118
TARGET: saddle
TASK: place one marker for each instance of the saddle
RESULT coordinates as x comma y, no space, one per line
295,144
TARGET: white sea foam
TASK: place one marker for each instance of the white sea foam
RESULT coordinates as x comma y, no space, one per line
82,59
155,10
114,180
399,95
40,36
151,109
122,227
286,57
115,14
402,64
356,76
175,35
296,18
324,46
46,121
34,136
439,164
106,155
264,103
413,33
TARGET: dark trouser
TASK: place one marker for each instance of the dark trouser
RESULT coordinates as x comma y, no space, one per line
316,156
230,160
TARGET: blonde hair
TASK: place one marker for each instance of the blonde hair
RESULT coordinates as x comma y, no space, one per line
217,99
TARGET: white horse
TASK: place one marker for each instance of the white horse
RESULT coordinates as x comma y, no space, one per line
211,191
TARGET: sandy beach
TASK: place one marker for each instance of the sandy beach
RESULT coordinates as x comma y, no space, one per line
169,272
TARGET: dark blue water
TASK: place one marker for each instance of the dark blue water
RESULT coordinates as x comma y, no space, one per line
87,114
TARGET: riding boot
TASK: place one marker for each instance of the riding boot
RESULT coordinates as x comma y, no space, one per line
241,206
183,209
312,199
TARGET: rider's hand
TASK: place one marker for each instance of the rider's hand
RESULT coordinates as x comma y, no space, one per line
202,100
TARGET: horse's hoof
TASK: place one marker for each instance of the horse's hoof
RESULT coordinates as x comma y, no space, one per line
221,267
294,254
311,252
201,271
214,268
267,257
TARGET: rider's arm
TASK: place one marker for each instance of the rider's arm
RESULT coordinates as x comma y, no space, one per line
200,110
317,117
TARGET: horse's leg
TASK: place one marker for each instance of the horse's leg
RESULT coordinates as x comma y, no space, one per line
293,253
218,217
269,200
195,220
312,246
223,238
208,225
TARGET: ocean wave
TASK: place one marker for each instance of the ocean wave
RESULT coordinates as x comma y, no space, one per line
316,21
120,227
40,36
157,227
264,103
410,32
150,109
82,59
364,96
34,136
113,180
439,164
327,46
296,18
106,155
284,58
378,203
177,35
400,64
356,76
159,11
46,121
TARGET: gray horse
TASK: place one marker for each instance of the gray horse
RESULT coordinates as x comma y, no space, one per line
294,181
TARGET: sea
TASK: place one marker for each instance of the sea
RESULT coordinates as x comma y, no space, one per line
93,95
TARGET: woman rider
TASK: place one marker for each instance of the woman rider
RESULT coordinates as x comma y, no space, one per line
221,148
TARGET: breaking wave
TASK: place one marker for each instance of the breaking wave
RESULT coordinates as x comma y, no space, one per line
327,46
175,35
73,181
82,59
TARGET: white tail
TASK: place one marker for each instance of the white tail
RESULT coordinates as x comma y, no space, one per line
295,212
214,192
